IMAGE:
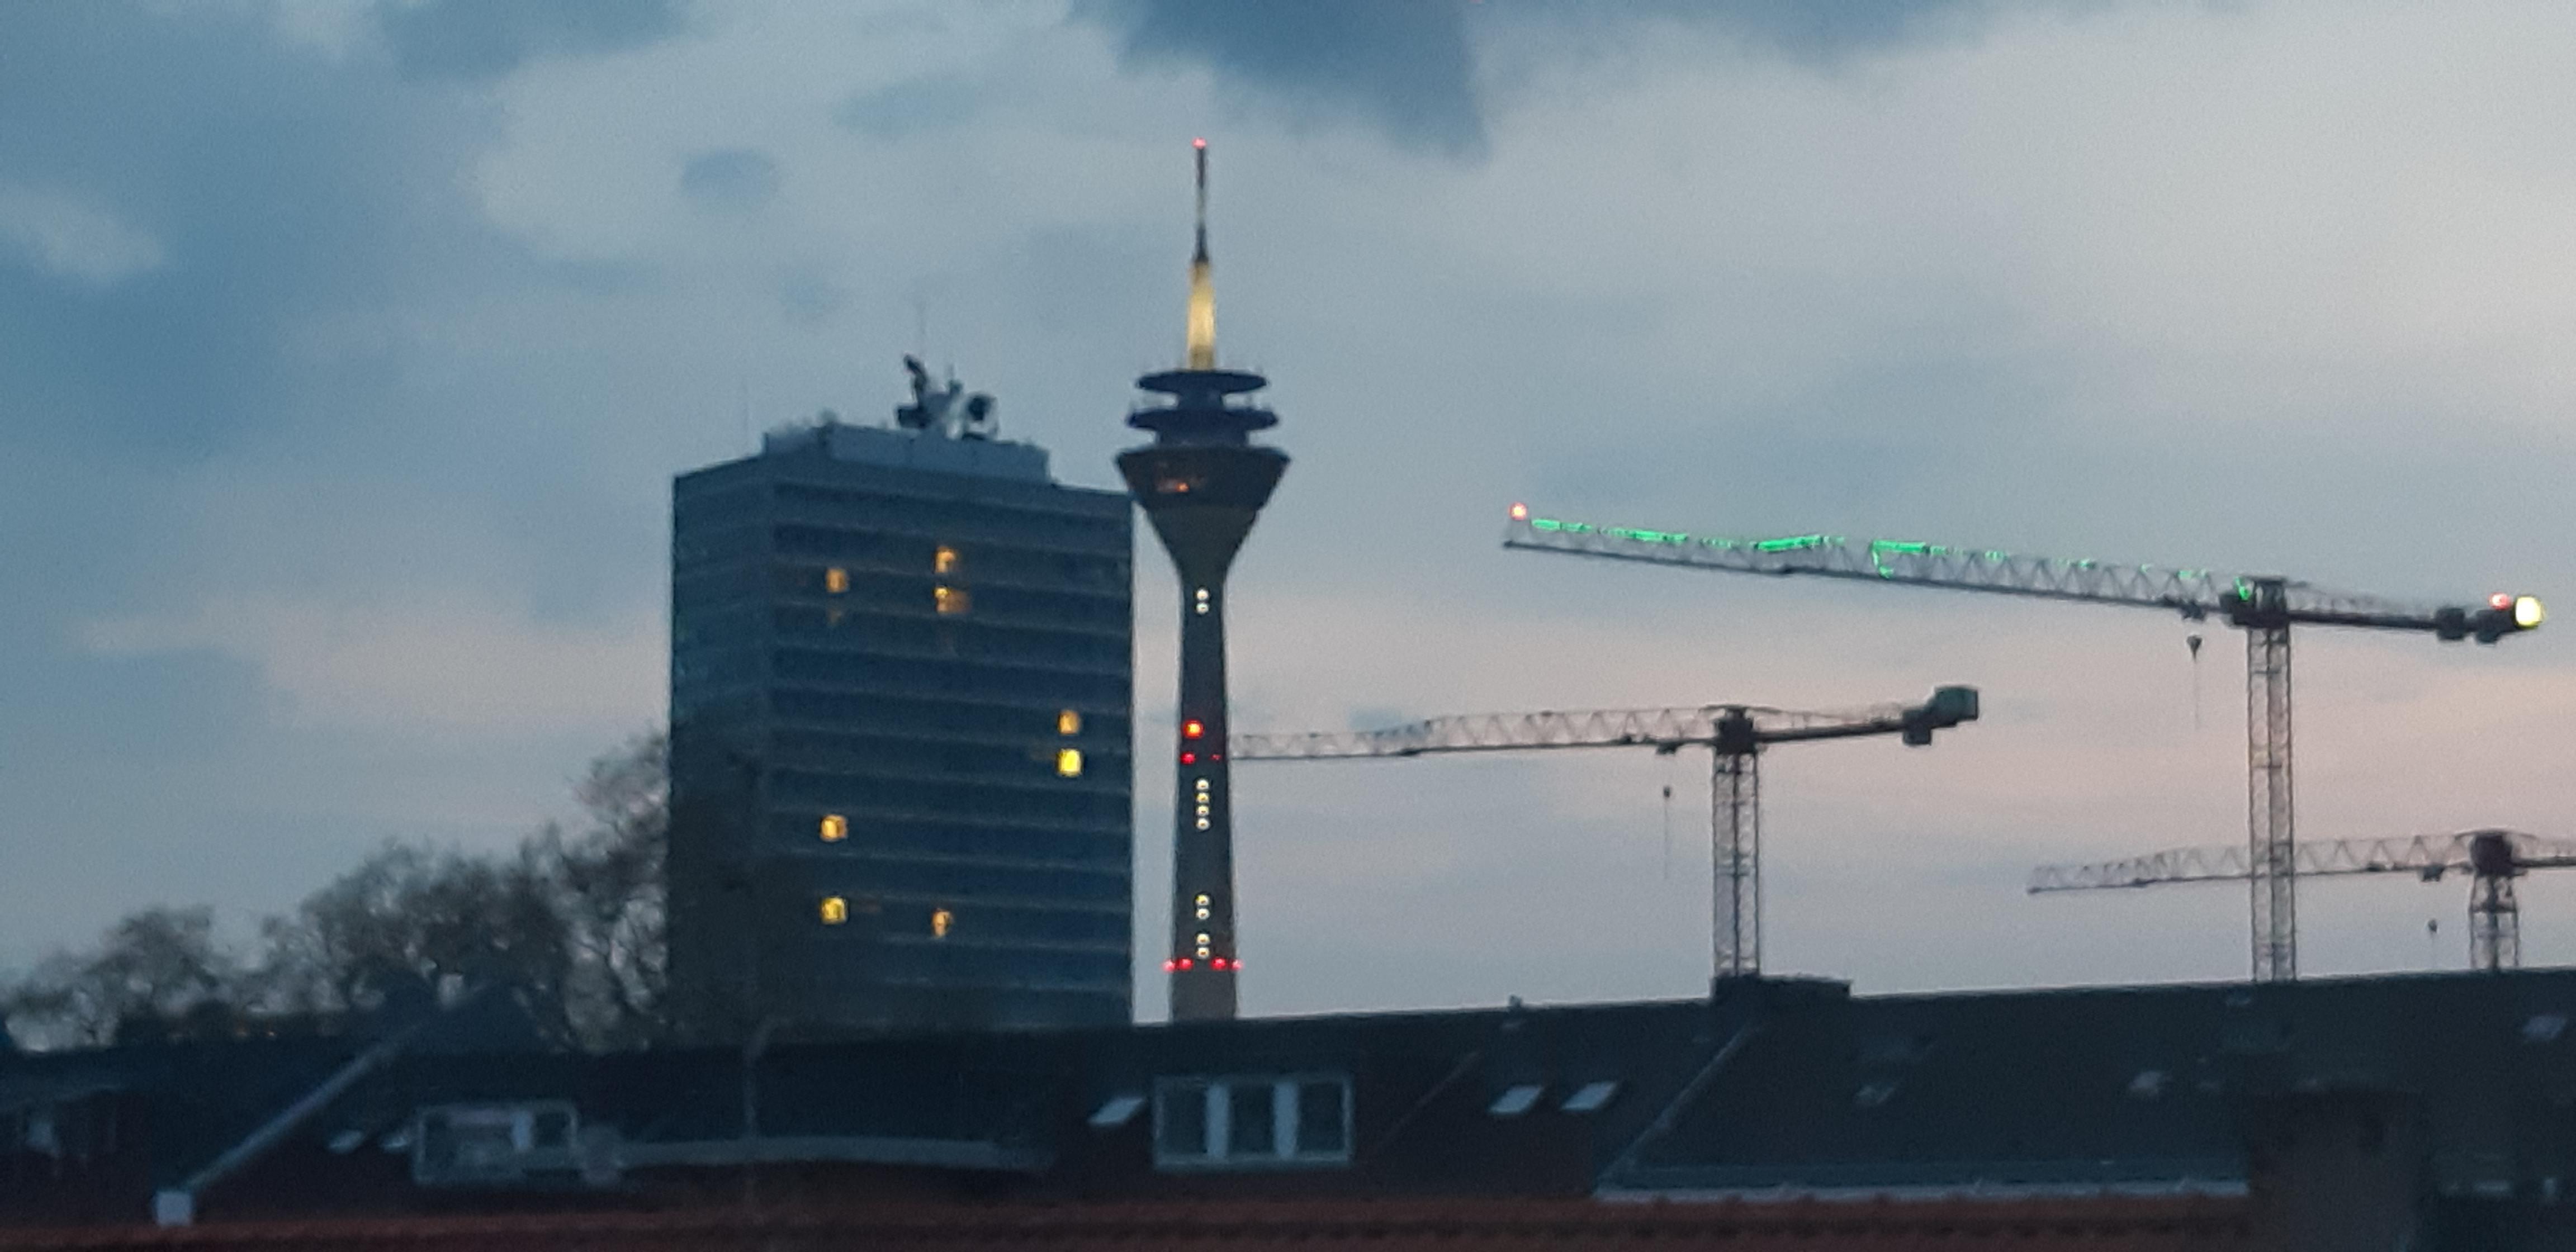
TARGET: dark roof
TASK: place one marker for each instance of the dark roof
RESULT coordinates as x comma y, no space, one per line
2131,1226
1770,1089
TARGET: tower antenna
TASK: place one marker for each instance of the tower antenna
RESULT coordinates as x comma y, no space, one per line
1201,351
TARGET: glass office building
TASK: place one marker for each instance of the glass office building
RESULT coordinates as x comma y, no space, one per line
900,712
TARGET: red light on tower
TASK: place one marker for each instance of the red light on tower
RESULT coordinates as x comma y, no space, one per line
1189,758
1193,728
1198,143
1520,512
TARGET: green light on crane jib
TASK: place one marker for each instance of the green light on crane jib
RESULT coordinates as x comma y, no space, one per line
1791,544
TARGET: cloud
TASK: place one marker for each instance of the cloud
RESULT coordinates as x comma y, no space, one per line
733,179
73,236
432,659
1419,73
348,514
1404,68
481,39
910,108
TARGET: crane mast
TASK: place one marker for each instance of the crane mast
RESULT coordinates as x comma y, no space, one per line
2263,606
1735,735
2492,858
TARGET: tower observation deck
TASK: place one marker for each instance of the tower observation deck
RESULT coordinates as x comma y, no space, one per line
1201,482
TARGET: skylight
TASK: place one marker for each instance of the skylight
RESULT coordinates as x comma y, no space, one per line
1120,1110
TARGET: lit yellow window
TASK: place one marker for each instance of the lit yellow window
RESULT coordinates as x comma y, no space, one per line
944,561
950,600
1068,762
836,580
835,910
940,921
834,829
1068,722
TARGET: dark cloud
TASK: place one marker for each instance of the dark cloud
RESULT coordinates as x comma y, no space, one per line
1409,67
477,39
731,178
1402,67
276,186
306,215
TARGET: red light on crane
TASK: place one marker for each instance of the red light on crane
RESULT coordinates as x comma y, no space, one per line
1198,143
1520,512
2500,600
1189,758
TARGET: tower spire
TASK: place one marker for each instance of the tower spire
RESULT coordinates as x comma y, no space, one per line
1201,351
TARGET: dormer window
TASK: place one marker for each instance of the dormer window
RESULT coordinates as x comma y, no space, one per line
1252,1122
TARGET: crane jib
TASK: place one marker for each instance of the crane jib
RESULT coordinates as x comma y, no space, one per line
2247,601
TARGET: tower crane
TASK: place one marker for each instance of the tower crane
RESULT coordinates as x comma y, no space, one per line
2263,606
1735,735
2492,859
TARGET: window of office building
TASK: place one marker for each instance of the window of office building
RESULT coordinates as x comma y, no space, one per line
950,601
835,910
944,561
834,828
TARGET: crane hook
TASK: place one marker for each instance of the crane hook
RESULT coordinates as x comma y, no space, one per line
2194,642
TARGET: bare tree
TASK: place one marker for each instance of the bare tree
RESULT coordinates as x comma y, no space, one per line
155,966
607,880
571,918
413,916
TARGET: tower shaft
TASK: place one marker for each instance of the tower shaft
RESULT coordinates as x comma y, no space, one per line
1202,499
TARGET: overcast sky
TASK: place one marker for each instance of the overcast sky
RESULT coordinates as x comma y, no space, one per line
347,351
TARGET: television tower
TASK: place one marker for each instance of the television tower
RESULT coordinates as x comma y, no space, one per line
1202,482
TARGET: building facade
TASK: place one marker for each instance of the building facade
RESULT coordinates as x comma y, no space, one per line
900,720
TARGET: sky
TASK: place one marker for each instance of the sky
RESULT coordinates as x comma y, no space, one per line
347,351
